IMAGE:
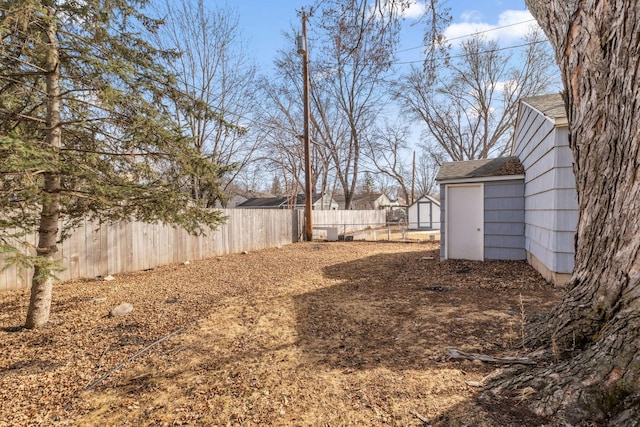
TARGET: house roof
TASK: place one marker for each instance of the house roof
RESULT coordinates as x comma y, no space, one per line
300,198
359,197
551,105
274,202
263,202
502,166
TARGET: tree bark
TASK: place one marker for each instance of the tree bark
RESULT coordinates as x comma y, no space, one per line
42,283
594,333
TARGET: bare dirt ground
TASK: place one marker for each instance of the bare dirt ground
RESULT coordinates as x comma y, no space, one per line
327,334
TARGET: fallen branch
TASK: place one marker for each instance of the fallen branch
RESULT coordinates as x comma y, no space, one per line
457,354
121,364
422,418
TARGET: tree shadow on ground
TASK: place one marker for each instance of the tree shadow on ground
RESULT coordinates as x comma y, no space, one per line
403,310
482,411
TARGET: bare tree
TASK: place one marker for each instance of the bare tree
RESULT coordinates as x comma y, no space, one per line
282,113
281,117
594,333
356,40
219,78
351,50
328,129
388,152
425,175
469,108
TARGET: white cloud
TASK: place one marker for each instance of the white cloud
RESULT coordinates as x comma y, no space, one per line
511,26
506,86
415,10
471,15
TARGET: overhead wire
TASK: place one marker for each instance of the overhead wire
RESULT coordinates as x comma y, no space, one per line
260,123
484,51
475,33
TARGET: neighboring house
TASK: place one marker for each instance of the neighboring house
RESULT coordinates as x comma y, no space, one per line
519,207
235,201
236,197
365,202
320,202
424,214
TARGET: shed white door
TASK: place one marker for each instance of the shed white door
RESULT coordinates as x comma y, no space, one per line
465,222
425,217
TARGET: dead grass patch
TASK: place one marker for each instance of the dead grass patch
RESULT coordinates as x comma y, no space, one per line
345,333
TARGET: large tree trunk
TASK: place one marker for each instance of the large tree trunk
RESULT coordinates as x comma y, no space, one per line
594,333
42,283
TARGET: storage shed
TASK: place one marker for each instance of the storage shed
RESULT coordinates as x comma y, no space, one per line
424,214
482,209
519,207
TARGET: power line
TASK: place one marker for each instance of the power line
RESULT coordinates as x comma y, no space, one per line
485,51
471,34
267,125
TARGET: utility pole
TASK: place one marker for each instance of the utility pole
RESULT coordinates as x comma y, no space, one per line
308,196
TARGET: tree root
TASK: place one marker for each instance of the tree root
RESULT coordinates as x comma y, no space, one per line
598,384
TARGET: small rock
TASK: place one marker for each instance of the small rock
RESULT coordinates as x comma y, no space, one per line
186,263
172,300
427,258
437,288
245,252
121,310
97,299
109,278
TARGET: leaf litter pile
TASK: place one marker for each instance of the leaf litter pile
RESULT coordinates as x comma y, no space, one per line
330,334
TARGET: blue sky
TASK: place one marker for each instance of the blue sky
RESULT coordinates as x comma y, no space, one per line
263,22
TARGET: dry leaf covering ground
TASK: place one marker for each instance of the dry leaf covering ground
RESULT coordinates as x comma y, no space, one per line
328,334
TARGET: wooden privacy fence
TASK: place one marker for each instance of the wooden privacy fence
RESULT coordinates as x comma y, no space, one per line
350,221
134,246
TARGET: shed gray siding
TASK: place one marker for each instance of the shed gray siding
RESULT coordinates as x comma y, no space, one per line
504,220
551,208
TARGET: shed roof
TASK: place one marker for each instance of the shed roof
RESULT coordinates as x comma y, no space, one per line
426,196
501,166
551,105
